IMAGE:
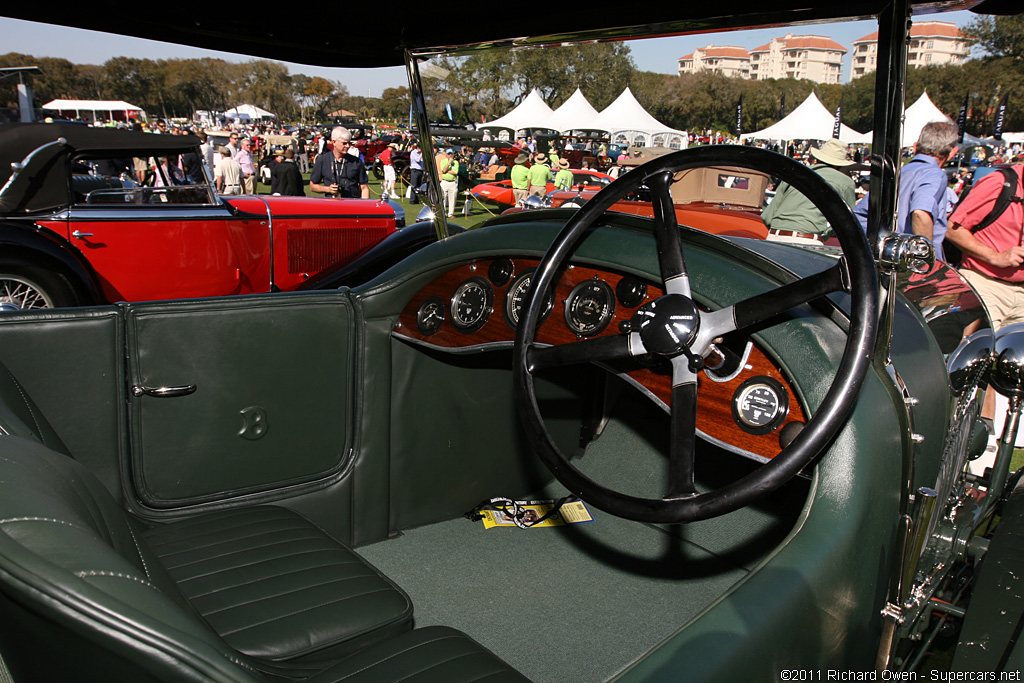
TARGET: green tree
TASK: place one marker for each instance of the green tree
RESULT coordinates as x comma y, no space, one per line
998,36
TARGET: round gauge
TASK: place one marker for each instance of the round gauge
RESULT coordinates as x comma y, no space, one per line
471,304
589,307
760,405
515,300
430,316
631,291
500,271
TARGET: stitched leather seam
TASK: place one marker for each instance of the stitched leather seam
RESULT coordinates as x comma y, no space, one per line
138,550
488,675
307,609
289,592
222,543
244,665
47,519
199,596
437,664
233,528
251,564
24,398
397,654
118,575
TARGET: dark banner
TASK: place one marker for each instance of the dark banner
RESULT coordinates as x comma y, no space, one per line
997,132
961,119
839,119
739,117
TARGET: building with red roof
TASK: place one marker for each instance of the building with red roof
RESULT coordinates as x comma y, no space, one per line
931,42
815,58
725,59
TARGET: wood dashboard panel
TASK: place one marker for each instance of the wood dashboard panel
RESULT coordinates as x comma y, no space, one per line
715,416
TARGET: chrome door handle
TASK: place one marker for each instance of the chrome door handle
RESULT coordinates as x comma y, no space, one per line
80,235
163,392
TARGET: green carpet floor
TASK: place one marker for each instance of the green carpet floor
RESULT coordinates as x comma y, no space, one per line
580,603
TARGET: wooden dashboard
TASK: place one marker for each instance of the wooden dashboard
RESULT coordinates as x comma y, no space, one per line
746,404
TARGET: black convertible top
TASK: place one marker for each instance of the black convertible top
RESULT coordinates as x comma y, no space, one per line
45,181
346,38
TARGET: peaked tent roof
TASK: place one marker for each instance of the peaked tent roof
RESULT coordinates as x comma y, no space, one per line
576,113
532,112
810,121
917,115
250,110
92,105
626,114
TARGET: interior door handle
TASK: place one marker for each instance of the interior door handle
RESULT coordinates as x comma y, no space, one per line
163,392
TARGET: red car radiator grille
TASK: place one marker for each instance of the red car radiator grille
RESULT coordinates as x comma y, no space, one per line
313,249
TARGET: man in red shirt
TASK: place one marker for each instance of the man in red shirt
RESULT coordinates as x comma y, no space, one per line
992,255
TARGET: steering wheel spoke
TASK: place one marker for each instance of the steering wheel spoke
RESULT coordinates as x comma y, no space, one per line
683,444
608,348
666,230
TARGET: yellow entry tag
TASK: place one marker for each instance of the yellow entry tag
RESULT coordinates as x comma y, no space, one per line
570,513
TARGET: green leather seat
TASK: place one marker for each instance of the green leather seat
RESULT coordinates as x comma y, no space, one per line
255,594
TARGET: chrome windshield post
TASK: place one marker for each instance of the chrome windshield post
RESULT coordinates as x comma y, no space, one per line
419,110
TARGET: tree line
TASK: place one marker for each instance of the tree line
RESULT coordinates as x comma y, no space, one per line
488,85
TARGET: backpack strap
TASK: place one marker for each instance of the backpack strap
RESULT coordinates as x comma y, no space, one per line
1011,181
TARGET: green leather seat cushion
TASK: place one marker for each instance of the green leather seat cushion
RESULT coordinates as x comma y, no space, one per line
275,586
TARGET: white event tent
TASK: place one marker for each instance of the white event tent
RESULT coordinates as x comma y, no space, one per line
244,112
576,113
917,115
625,119
810,121
111,110
629,123
532,112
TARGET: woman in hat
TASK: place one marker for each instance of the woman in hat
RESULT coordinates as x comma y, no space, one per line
791,217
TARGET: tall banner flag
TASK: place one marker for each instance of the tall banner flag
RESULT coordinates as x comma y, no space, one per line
782,107
997,133
739,116
839,118
961,119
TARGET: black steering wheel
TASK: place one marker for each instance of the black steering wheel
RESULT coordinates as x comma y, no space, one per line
673,327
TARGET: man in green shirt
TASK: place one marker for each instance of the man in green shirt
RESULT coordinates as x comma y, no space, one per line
448,167
539,176
563,179
791,217
520,179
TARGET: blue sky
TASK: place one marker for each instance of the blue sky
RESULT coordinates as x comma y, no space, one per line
659,55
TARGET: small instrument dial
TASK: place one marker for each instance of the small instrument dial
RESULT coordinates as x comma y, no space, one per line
515,300
472,304
760,405
430,315
589,307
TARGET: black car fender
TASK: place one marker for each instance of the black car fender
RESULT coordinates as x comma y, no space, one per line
45,248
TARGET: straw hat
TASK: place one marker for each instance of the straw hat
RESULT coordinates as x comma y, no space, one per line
563,163
540,158
833,153
522,159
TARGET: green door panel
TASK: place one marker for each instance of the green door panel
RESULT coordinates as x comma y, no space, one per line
272,406
70,363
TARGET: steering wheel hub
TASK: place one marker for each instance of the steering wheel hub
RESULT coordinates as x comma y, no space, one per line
667,325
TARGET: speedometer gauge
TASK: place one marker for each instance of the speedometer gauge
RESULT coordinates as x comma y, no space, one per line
515,300
471,304
589,307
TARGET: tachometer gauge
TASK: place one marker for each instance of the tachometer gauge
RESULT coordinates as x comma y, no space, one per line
760,405
589,307
430,315
472,304
515,300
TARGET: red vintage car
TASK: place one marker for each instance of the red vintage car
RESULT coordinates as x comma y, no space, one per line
500,192
92,215
719,200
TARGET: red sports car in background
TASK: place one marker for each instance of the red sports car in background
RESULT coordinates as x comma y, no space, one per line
96,215
500,192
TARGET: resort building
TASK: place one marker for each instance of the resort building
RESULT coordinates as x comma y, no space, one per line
931,42
814,58
723,59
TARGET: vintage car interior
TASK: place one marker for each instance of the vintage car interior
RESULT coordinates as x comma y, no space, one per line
759,450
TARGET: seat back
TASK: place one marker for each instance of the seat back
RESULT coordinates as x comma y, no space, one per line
19,415
89,599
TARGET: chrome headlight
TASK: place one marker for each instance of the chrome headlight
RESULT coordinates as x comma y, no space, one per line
971,361
1008,373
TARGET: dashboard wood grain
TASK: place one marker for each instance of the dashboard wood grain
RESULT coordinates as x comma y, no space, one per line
715,398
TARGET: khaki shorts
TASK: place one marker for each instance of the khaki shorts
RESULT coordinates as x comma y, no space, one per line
1004,300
